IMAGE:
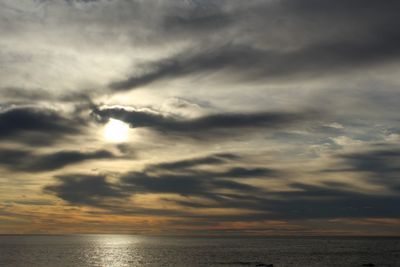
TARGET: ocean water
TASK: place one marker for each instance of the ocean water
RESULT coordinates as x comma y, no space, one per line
130,250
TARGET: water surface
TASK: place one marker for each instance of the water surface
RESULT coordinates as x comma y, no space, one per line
129,250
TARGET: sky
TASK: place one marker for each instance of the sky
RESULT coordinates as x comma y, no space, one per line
200,117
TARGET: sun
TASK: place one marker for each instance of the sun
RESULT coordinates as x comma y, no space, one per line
116,131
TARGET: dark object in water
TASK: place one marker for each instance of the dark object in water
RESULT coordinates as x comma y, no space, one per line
369,264
264,265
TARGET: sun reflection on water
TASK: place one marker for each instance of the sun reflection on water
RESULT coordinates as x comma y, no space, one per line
115,251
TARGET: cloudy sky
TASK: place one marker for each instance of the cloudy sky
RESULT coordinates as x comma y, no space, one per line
204,117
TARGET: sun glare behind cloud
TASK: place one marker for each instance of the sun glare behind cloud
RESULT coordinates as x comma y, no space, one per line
116,131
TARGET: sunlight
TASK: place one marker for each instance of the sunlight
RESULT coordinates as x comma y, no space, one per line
116,131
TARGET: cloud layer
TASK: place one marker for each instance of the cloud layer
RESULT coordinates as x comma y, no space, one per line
241,114
229,189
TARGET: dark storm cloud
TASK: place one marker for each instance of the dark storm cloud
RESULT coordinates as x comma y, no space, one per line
241,172
195,22
325,47
190,168
225,189
188,63
215,159
192,183
305,201
24,160
327,201
302,201
189,19
252,63
184,177
377,161
358,11
206,126
380,166
35,126
84,189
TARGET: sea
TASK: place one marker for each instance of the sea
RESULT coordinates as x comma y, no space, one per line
132,250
